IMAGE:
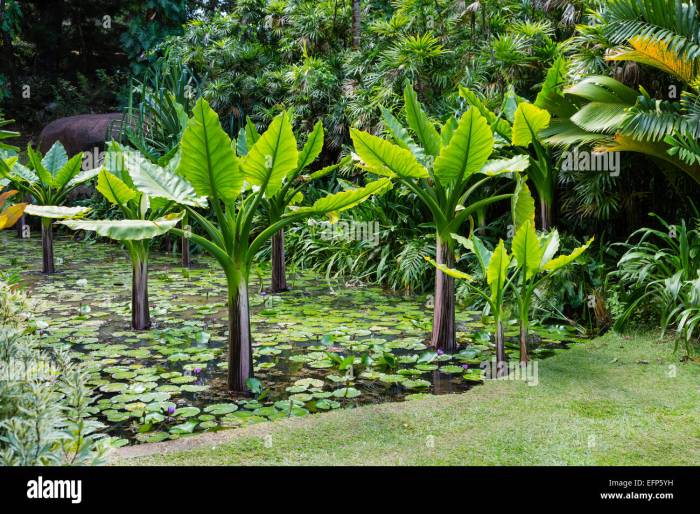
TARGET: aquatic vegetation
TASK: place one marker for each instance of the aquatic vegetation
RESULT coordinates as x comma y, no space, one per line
150,383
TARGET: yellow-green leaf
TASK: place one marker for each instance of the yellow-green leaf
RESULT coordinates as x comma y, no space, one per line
497,270
114,189
526,249
529,120
273,156
207,160
563,260
56,211
312,148
450,271
522,205
420,124
127,230
468,150
385,158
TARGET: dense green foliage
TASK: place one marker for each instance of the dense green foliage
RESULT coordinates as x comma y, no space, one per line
497,142
44,420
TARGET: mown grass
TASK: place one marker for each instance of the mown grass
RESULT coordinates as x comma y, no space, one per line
613,401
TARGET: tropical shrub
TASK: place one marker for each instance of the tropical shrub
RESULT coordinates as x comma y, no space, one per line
48,180
146,195
289,194
442,169
659,274
44,419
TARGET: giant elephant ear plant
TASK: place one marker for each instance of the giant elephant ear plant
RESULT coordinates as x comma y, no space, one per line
534,257
146,194
443,169
236,187
48,180
289,194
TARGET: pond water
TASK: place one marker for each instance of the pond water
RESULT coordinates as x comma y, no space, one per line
171,381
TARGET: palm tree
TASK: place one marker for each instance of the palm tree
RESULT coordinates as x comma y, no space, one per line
663,35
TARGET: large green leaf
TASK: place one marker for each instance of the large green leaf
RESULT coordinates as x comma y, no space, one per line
474,245
497,271
526,249
499,125
385,158
44,175
273,156
55,159
16,171
312,148
337,202
114,189
127,230
159,182
207,160
401,135
563,260
499,166
551,95
550,246
522,205
69,170
468,150
328,169
604,117
599,88
450,271
419,122
56,211
83,176
529,120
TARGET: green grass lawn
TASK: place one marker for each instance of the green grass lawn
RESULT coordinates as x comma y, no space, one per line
613,401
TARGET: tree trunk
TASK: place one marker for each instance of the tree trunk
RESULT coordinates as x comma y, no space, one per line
240,351
47,246
444,337
140,312
279,276
501,358
356,23
523,342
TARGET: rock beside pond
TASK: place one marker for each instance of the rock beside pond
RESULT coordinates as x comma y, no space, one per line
79,133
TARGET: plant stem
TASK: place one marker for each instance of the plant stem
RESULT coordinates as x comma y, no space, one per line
140,313
279,276
47,246
240,352
444,335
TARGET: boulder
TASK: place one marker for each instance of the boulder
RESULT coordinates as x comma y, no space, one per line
83,133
